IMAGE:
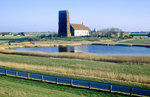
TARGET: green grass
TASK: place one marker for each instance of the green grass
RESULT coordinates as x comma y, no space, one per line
14,38
139,41
14,87
78,38
79,64
3,42
36,35
63,65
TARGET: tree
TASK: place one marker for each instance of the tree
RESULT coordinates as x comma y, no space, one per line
110,33
43,36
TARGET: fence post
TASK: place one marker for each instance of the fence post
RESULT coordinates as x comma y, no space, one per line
56,80
28,75
5,71
131,90
16,73
110,88
42,78
89,85
71,82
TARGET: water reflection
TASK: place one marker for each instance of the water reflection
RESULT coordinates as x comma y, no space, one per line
96,49
65,49
72,49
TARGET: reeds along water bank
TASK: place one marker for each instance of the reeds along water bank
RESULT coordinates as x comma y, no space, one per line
83,56
116,59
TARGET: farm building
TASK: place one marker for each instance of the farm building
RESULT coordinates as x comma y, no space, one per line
79,30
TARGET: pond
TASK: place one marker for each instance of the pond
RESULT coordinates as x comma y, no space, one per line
95,49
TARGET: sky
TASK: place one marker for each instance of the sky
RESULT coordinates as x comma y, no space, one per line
42,15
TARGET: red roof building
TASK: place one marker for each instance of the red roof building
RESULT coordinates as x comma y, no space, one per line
79,30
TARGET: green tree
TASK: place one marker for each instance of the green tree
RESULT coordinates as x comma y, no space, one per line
110,33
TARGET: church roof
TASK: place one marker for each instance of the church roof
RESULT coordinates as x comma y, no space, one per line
79,27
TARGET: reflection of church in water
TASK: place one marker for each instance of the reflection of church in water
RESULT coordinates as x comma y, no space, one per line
72,48
64,49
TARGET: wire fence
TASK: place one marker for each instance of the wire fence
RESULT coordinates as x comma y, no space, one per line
78,83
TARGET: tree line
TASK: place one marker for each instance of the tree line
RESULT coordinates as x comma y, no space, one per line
110,33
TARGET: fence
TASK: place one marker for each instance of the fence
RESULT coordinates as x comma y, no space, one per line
78,83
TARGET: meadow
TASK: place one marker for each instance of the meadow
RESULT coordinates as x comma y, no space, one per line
14,38
14,87
109,72
45,37
139,41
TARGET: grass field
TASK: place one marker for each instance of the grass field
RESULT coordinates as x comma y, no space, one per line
14,38
139,41
36,35
79,38
3,42
109,72
14,87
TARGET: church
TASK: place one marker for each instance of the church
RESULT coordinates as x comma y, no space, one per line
67,30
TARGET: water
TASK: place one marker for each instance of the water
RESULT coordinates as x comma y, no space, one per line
95,49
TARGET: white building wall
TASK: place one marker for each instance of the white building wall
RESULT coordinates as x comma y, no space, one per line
81,33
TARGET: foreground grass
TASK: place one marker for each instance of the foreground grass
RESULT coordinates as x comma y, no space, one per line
81,69
14,87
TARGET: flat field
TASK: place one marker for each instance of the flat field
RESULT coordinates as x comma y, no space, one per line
14,87
139,41
137,75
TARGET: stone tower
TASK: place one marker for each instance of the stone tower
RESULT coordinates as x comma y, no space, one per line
64,24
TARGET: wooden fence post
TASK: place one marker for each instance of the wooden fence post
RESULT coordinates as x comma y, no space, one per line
5,71
16,73
71,82
110,88
56,80
28,75
42,78
89,85
131,90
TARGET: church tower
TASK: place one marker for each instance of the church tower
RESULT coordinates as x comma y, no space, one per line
64,24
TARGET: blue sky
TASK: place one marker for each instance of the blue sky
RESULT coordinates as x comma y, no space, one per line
42,15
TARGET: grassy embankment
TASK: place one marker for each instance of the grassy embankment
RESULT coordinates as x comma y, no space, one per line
14,87
137,75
